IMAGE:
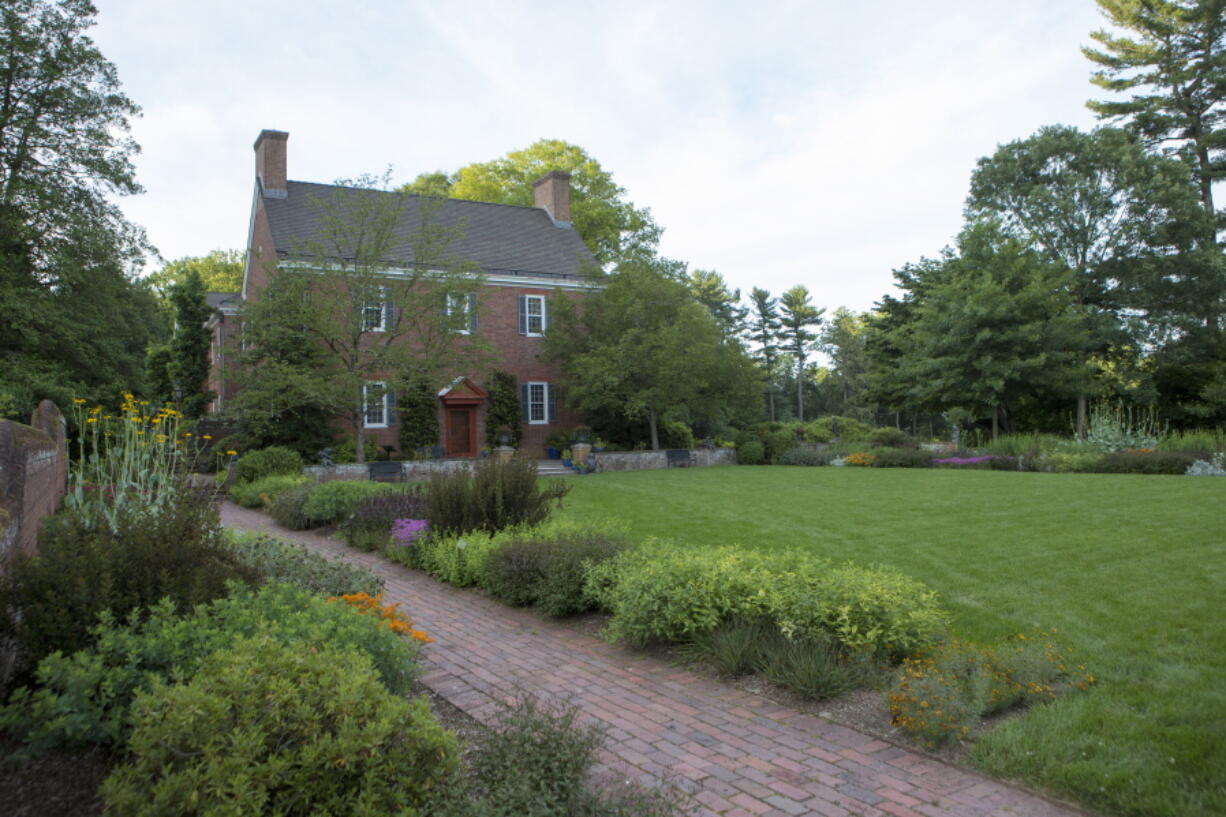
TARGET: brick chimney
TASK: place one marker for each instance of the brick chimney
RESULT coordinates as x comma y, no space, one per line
270,163
552,192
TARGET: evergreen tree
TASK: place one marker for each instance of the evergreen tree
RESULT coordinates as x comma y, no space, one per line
1175,70
763,333
711,290
796,315
188,368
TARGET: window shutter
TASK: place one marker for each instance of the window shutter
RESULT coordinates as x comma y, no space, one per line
551,400
523,316
472,311
392,418
523,403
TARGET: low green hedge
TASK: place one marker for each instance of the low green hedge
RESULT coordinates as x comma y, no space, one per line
331,502
265,462
665,592
263,491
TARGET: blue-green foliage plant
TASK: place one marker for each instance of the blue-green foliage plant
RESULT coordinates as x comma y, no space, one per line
287,563
84,698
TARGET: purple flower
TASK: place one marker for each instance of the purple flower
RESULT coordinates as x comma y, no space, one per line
961,460
407,531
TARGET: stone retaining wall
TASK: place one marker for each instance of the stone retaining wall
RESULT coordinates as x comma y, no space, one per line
643,460
33,477
412,469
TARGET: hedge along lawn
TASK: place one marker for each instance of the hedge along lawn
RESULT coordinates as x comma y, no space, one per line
1130,570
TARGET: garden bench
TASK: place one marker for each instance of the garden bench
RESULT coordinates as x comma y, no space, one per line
680,457
385,471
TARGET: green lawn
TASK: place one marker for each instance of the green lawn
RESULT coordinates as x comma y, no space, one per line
1131,571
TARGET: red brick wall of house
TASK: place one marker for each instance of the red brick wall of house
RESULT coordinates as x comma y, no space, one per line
524,357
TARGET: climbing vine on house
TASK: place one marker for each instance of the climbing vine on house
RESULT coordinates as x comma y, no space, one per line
504,410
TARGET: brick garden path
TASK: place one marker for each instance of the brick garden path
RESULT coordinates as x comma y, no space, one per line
739,754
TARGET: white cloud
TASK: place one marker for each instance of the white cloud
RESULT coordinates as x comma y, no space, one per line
797,143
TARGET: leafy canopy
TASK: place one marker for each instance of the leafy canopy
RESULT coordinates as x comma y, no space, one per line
611,226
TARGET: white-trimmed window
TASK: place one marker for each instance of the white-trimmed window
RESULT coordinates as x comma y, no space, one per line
533,318
538,403
461,311
374,313
375,407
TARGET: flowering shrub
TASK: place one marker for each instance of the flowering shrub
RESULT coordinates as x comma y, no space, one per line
961,460
388,615
940,694
407,531
861,458
369,527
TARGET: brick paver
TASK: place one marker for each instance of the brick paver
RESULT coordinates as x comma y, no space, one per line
737,753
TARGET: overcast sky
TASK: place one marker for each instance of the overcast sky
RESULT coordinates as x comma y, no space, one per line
779,143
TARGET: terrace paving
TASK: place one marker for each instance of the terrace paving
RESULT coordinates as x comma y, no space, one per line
738,754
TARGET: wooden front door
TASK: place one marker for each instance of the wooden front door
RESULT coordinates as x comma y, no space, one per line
459,432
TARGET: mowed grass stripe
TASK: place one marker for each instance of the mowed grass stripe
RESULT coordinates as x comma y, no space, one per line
1129,569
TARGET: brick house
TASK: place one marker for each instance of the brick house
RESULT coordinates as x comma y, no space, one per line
524,255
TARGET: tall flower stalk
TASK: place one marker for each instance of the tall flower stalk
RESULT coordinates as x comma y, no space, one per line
126,460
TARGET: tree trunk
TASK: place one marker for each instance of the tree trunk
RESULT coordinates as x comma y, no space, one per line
655,430
1082,405
800,392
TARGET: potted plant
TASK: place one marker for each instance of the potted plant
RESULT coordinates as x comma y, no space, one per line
555,441
566,461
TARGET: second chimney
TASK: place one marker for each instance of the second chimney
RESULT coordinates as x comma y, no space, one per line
270,163
552,192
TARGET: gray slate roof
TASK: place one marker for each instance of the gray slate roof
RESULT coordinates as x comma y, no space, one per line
498,238
216,300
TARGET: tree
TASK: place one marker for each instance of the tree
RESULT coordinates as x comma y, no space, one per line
797,314
994,326
188,367
643,348
72,321
366,323
711,290
1177,63
763,332
1096,204
843,338
220,271
611,226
